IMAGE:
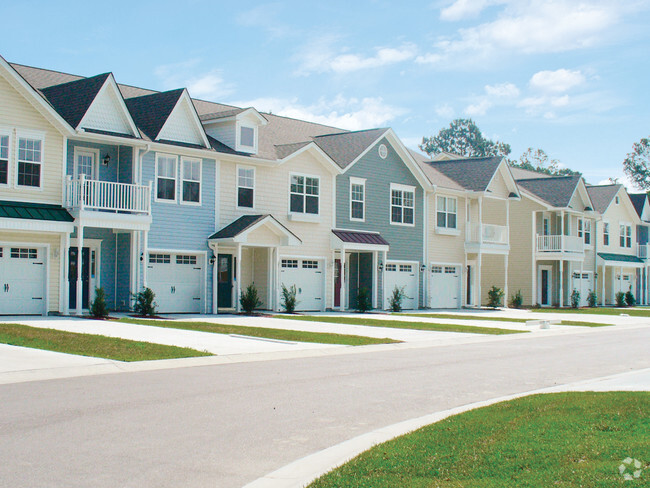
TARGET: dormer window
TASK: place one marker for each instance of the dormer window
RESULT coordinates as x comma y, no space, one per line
246,137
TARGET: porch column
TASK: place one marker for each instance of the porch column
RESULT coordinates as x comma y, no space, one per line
269,278
276,274
343,298
133,285
145,260
382,305
215,280
479,271
562,241
376,280
238,280
505,286
602,296
620,278
562,278
480,224
582,297
65,264
80,246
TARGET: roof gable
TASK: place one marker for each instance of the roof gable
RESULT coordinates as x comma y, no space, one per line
108,112
346,148
556,191
473,174
183,124
602,196
150,112
640,202
73,99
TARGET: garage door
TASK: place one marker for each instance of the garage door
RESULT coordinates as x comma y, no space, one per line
445,286
22,280
581,282
176,280
402,275
307,275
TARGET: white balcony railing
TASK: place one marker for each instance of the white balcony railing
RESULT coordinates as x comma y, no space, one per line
642,251
560,243
487,233
107,196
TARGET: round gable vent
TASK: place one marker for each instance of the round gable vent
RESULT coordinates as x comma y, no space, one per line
383,151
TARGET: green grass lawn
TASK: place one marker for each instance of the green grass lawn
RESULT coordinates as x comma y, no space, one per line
91,344
563,439
632,312
401,324
494,319
281,334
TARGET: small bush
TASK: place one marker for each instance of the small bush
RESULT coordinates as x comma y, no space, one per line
517,299
575,298
363,300
396,298
592,298
249,300
289,300
145,304
495,295
629,298
620,299
98,308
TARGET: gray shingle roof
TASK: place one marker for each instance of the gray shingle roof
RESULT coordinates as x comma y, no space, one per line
602,196
345,147
470,173
526,174
556,191
221,115
284,150
150,112
244,222
638,200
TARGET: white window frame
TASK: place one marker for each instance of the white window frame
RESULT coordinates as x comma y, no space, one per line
304,213
360,182
78,150
625,235
166,200
587,228
182,179
245,168
7,134
607,232
37,136
403,189
241,147
445,228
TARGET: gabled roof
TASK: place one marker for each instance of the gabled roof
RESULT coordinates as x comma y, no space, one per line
473,174
556,191
526,174
344,148
73,99
602,196
238,226
150,112
284,150
238,229
638,200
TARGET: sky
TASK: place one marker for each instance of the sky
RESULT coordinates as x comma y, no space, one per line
568,76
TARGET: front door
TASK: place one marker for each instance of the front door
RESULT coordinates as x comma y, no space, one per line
224,281
545,286
85,277
337,282
469,284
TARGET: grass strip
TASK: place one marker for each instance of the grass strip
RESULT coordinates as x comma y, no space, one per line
632,312
561,439
263,332
91,344
402,324
494,319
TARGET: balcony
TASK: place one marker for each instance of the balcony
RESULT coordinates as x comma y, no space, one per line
107,196
560,244
486,238
642,251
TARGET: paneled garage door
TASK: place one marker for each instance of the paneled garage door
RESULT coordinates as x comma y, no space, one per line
23,275
176,280
445,286
307,276
583,283
402,275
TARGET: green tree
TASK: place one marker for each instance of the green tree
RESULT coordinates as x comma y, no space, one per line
537,160
637,164
463,137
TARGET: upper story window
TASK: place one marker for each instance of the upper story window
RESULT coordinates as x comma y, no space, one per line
30,159
4,159
402,205
617,200
625,235
446,212
587,232
247,136
166,177
191,180
605,233
245,187
304,194
357,199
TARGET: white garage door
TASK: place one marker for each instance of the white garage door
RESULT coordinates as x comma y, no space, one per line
22,280
581,282
176,280
307,275
402,275
445,286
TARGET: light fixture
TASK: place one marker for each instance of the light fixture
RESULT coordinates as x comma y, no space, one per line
141,256
212,260
423,268
380,267
106,160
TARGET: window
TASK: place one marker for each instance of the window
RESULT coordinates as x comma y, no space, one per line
24,253
309,264
30,157
166,178
304,193
617,200
606,233
446,212
580,233
85,163
391,267
625,235
450,269
402,206
357,199
181,259
247,136
289,263
4,160
246,187
383,151
436,269
191,180
406,268
159,258
587,224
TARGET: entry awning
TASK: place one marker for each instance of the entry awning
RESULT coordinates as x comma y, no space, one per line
256,230
358,240
34,216
623,260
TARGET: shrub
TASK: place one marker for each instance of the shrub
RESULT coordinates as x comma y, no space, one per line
249,300
592,298
620,299
575,298
289,300
144,303
396,298
629,298
495,295
517,299
98,308
363,300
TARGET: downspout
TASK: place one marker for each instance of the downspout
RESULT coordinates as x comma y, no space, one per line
138,180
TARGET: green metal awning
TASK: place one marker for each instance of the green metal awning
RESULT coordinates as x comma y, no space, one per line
34,211
621,258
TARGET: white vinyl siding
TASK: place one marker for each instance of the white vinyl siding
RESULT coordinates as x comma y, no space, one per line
30,159
4,159
245,187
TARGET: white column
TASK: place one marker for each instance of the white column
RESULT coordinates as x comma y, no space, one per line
602,295
562,277
65,263
343,300
505,286
277,281
145,257
562,236
479,262
582,297
382,305
375,274
269,278
238,281
80,246
480,224
215,280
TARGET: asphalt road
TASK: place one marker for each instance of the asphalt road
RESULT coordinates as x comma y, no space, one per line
226,425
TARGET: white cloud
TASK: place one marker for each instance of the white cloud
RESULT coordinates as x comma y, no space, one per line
479,108
464,9
264,17
209,85
445,111
503,90
558,81
499,94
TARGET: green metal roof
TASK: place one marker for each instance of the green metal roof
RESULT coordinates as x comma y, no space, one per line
625,258
34,211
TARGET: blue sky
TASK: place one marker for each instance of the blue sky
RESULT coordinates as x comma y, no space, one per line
568,76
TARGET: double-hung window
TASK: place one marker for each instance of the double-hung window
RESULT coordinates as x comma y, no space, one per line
580,228
625,235
4,159
587,232
304,194
245,187
357,199
30,159
166,177
191,180
605,233
446,212
402,205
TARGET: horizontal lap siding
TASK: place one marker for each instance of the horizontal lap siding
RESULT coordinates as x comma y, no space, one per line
446,248
520,262
121,160
493,274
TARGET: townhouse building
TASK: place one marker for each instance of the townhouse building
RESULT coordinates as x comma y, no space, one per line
642,207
